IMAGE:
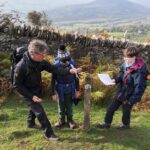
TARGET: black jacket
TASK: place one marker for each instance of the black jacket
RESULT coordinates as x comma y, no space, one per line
27,76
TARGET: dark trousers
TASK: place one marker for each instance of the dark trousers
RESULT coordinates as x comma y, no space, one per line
126,110
36,110
65,107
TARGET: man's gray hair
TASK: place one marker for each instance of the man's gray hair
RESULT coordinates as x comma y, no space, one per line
37,46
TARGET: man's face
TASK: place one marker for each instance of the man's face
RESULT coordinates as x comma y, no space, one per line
38,56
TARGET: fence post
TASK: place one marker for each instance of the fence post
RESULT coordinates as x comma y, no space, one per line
87,102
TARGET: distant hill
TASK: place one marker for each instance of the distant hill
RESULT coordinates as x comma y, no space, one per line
99,10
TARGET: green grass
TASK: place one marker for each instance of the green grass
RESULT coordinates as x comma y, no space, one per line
15,135
117,34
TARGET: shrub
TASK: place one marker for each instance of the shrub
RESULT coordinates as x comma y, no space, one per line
5,63
101,94
4,55
5,86
97,96
5,73
46,82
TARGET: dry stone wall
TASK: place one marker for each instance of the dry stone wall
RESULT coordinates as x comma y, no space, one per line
12,36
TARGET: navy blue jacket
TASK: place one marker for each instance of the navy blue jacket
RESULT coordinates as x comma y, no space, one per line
132,82
64,84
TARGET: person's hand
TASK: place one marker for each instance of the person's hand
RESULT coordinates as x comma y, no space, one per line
55,97
36,99
77,94
125,102
79,70
129,103
113,81
73,71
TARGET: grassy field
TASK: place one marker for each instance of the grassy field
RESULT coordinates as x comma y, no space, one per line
15,135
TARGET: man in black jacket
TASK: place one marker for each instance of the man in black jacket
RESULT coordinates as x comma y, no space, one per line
27,81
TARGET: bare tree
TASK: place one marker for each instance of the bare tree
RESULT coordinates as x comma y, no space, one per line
45,20
8,18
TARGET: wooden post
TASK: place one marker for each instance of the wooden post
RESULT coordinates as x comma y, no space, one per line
87,102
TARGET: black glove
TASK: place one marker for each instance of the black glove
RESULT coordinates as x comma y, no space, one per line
76,101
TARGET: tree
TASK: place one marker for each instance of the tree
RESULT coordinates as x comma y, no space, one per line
34,17
8,18
39,18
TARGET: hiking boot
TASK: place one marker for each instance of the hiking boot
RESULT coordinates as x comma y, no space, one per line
60,123
53,137
35,126
124,127
72,124
103,126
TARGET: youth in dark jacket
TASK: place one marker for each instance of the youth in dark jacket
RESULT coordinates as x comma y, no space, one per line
27,81
131,82
67,88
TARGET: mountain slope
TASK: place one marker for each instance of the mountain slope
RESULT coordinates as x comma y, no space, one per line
99,9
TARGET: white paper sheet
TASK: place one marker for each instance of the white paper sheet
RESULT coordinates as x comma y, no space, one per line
105,78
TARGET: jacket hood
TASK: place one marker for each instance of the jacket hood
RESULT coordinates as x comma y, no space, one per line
139,63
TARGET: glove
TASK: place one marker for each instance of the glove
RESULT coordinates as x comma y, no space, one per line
76,101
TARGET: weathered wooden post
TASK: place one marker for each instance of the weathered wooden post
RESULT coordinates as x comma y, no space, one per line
87,102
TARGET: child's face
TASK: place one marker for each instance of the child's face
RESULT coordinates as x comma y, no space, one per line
129,60
65,62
